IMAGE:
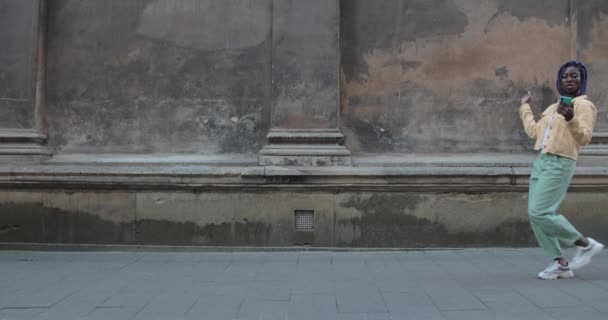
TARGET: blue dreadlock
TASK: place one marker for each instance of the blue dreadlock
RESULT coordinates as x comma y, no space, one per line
584,76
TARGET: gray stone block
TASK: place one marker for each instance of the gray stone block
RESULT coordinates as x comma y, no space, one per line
120,313
581,313
306,306
358,300
223,307
411,305
454,298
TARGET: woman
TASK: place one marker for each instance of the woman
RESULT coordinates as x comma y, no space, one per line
564,127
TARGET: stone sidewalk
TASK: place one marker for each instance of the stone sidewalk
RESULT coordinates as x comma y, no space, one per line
451,284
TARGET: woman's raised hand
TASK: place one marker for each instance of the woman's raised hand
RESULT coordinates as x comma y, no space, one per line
526,98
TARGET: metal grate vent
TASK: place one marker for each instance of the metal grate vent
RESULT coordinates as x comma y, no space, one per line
304,220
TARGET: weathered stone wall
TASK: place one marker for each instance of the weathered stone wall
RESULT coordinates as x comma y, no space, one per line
446,76
209,122
190,76
159,76
349,219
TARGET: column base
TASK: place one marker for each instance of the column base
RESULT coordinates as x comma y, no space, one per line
305,147
23,145
598,145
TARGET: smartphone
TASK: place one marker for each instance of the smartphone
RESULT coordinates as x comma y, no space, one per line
565,100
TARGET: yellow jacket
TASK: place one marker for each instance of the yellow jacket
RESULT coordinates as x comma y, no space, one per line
565,138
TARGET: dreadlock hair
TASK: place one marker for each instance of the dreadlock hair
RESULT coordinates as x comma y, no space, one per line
581,69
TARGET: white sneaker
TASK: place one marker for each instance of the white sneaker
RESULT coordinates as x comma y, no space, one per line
583,255
556,271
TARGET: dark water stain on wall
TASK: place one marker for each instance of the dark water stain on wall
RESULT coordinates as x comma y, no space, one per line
555,12
35,223
162,232
401,230
253,233
372,25
373,136
383,223
380,202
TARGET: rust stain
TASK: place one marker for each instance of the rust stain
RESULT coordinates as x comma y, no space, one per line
449,66
453,61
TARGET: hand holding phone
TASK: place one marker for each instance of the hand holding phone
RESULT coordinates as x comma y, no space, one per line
566,108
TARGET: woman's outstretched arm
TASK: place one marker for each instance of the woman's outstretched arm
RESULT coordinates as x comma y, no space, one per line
527,117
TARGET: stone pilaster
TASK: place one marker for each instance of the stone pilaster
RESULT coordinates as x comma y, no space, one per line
587,28
22,34
305,86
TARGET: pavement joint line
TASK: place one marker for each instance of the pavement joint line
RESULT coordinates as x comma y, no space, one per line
51,247
140,309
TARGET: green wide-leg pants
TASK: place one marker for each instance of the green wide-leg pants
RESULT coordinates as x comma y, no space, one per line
549,182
